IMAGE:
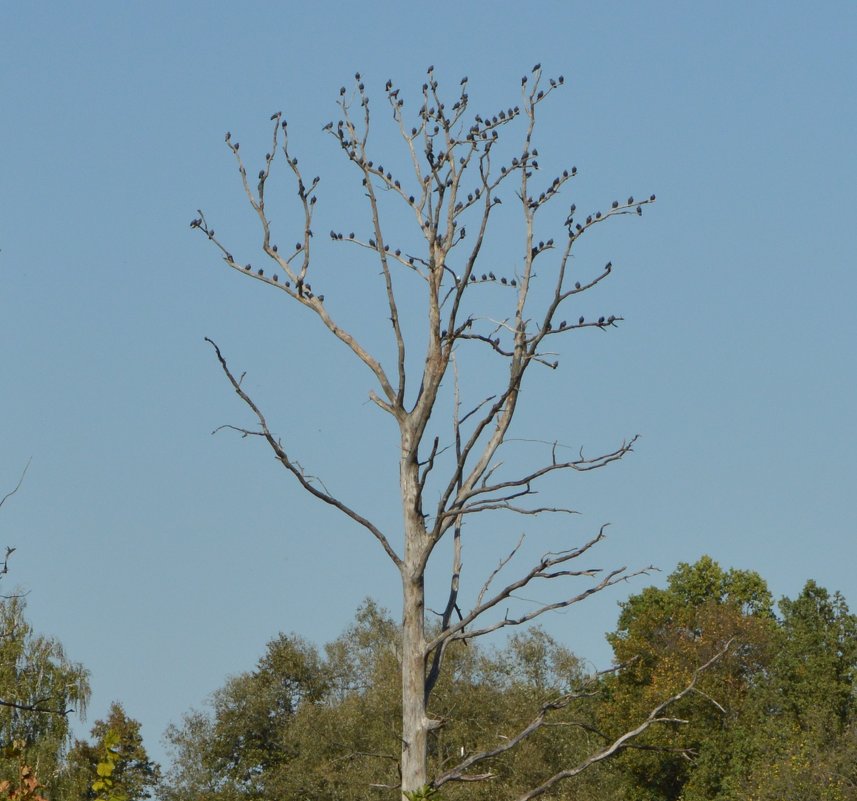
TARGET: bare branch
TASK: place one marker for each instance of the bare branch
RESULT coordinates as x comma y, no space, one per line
17,486
580,465
503,562
36,706
294,281
540,571
626,739
656,716
295,469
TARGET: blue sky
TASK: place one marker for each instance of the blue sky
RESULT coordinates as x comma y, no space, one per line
164,558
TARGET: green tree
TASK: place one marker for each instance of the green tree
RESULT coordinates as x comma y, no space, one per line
785,726
234,752
133,775
664,635
340,731
39,688
794,736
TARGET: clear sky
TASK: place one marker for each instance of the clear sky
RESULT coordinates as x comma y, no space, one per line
163,557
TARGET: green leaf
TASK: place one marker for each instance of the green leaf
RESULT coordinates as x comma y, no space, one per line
104,768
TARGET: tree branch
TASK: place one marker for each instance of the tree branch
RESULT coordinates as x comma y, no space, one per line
656,716
295,469
17,486
541,570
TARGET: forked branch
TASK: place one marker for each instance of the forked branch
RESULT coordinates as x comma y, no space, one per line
543,570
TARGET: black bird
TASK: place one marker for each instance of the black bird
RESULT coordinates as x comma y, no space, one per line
492,276
601,321
513,282
260,272
580,321
577,284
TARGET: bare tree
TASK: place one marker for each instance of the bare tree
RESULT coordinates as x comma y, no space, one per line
458,176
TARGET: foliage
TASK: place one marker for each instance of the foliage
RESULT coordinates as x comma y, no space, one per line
116,761
25,786
784,719
772,721
794,737
40,687
424,793
105,786
338,737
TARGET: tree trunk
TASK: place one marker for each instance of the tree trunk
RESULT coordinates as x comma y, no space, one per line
415,723
414,720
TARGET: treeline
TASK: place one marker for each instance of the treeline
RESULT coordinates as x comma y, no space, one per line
773,718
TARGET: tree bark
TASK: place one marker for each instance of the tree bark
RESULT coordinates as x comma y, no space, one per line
415,723
414,719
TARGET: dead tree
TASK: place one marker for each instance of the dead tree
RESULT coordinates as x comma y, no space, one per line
457,178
